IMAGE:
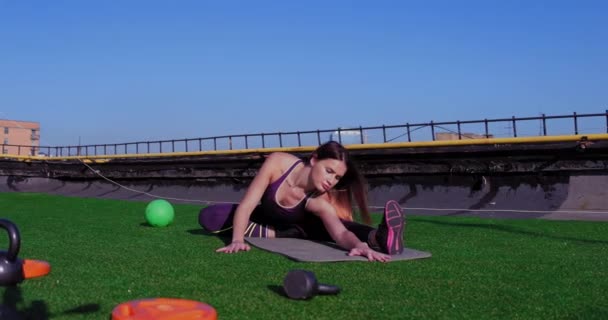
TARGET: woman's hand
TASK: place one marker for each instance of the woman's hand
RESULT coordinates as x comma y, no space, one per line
234,247
365,251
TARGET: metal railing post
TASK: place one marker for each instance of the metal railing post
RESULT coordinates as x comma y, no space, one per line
384,133
485,123
361,134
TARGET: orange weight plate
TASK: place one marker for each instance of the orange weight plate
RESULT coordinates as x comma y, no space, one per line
164,309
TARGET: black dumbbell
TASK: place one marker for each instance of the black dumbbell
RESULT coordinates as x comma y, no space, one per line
302,284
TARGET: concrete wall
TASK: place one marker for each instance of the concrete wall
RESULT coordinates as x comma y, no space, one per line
558,181
563,196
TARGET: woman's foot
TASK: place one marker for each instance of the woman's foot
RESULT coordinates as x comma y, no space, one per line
389,234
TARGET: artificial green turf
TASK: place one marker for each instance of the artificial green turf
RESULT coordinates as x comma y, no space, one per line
102,254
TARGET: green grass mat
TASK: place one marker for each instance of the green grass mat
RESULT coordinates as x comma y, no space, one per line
102,254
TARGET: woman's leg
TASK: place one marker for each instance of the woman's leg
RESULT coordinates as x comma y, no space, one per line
387,238
315,230
217,218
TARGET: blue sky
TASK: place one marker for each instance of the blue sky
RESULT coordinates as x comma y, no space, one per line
119,71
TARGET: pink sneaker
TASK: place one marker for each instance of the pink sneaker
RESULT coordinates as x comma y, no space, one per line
389,234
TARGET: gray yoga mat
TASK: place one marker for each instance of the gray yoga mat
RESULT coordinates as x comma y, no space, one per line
313,251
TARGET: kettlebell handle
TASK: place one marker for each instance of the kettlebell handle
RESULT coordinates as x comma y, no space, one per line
14,239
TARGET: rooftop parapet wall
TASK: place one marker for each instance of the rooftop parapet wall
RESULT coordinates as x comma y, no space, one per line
487,156
542,179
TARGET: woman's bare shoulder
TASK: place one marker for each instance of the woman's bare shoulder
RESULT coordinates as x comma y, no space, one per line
282,158
278,162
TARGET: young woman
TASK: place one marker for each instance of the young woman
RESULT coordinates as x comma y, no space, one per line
311,199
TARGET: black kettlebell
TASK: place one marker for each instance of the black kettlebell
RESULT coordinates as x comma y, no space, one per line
302,284
11,268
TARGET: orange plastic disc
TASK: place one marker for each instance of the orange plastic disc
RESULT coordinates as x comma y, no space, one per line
164,309
35,268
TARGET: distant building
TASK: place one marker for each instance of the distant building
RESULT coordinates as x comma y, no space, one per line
463,136
20,137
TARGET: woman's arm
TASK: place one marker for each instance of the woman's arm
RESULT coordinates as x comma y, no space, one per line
340,234
249,202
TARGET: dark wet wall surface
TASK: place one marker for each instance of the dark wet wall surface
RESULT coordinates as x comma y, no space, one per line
521,181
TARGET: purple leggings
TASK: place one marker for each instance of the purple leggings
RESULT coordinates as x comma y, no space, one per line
219,217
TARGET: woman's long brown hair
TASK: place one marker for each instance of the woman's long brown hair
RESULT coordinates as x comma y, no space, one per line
350,188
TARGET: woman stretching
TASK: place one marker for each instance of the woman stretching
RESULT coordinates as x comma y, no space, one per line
310,199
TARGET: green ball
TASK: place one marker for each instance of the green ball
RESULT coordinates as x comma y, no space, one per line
159,213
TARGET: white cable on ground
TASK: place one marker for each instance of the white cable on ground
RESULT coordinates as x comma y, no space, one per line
147,193
371,207
502,210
